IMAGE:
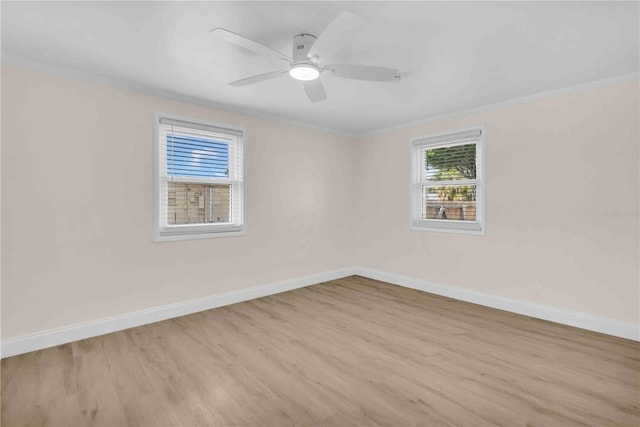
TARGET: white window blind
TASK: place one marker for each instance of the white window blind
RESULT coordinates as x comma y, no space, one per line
448,185
200,180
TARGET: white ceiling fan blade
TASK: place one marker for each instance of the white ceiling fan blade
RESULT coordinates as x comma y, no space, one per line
258,78
242,41
315,90
364,72
335,34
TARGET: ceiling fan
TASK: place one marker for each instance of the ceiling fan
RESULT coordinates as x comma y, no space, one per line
305,65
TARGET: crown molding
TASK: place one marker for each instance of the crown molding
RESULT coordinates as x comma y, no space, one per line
64,71
508,102
122,84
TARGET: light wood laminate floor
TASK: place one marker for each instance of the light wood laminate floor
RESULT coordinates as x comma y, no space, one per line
352,351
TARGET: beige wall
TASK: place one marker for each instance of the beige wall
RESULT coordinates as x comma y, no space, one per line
317,201
556,167
70,254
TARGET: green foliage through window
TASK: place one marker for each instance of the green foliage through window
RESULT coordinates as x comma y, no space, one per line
452,164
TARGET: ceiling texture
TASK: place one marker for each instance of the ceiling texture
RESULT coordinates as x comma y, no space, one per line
453,55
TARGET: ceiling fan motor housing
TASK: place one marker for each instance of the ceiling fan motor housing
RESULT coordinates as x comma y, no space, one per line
301,45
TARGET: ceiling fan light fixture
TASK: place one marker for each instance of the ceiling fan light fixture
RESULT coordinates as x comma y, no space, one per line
304,72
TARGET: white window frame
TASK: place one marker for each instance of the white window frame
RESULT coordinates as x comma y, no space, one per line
237,225
447,139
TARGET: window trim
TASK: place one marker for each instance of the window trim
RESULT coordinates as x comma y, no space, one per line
449,226
194,231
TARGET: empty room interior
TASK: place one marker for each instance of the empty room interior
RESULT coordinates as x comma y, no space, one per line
257,213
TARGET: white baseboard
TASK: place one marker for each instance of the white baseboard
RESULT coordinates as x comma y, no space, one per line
53,337
554,314
50,338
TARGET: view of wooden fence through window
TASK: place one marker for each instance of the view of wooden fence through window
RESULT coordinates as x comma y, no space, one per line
190,203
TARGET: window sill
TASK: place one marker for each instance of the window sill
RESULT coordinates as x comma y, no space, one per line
196,236
455,228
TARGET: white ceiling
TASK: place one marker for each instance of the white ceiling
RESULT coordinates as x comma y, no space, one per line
456,55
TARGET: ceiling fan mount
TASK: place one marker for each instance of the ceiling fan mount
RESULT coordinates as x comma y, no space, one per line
302,44
306,53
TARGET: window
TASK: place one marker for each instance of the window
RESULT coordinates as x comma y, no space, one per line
448,182
200,187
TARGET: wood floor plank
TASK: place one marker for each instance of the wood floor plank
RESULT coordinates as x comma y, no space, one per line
350,352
